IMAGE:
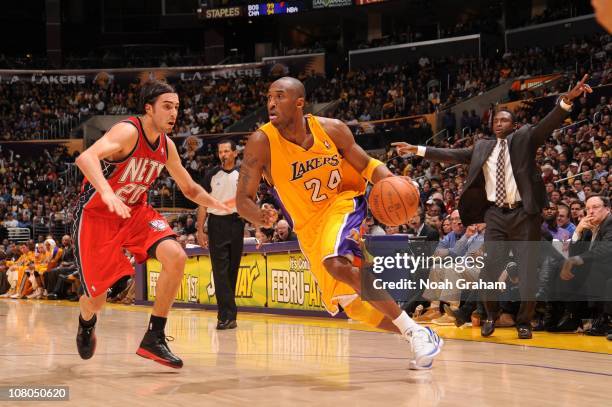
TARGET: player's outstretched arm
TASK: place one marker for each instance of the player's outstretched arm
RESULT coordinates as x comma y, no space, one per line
187,185
444,155
120,139
256,157
353,153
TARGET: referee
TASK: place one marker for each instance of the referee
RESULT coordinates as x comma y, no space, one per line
225,233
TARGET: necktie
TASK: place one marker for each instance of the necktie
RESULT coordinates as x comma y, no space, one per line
593,237
500,175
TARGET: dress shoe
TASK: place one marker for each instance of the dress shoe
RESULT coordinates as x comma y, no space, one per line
567,323
444,320
549,319
229,324
487,327
428,316
504,321
524,331
601,326
52,296
460,319
610,335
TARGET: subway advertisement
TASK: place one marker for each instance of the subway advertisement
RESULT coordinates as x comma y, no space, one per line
274,280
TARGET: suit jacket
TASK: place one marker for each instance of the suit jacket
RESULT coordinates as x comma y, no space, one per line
430,233
522,145
601,250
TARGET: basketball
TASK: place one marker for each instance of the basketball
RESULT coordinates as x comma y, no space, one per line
394,201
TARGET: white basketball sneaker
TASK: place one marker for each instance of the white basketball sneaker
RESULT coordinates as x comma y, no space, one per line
426,345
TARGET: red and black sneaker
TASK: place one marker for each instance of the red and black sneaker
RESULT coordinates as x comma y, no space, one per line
155,347
86,339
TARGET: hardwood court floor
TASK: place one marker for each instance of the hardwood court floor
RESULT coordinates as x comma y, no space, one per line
276,360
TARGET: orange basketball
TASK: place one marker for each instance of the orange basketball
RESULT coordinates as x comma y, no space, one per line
394,201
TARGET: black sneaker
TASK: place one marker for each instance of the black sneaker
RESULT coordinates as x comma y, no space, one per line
155,347
86,341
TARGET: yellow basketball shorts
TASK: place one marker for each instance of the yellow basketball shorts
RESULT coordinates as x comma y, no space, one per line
333,233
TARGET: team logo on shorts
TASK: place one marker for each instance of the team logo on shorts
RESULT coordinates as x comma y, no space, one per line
158,225
354,236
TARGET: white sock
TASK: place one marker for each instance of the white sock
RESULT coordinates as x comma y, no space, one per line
406,324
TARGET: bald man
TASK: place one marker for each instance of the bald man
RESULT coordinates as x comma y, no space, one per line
318,175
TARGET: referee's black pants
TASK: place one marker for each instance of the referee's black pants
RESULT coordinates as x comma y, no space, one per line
225,242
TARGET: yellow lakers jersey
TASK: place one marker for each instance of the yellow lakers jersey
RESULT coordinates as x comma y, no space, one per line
307,181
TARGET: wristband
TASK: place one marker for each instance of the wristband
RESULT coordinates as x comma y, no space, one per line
369,170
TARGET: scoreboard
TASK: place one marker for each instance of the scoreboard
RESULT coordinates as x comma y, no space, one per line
277,8
270,9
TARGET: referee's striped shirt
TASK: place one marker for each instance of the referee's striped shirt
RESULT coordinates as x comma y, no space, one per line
222,185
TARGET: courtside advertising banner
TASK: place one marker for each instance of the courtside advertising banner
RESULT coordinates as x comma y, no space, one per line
198,285
277,280
290,283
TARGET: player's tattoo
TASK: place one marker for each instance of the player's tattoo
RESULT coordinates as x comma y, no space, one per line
245,175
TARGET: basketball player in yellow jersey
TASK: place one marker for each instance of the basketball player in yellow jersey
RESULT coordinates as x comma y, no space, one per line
318,173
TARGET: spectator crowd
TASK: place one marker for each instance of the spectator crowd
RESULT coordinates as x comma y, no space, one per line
37,190
211,105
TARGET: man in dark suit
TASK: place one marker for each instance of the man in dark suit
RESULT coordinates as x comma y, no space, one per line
504,189
587,274
418,227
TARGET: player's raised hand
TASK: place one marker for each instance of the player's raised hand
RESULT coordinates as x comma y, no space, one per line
115,205
404,148
269,215
581,88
